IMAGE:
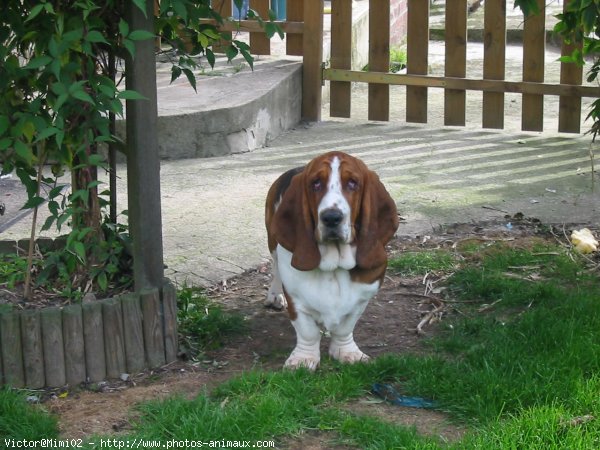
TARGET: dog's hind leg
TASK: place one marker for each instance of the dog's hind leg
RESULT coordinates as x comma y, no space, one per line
275,297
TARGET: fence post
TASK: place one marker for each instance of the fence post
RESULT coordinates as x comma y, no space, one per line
455,61
295,13
341,56
494,58
312,40
379,58
260,44
416,55
143,164
569,110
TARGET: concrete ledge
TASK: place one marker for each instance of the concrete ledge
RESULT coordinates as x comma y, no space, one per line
228,114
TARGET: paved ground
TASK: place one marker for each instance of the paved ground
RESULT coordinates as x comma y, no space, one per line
213,208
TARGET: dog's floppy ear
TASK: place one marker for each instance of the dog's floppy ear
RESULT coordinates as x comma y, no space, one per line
293,226
378,221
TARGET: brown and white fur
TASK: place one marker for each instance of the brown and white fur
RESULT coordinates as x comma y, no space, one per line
327,225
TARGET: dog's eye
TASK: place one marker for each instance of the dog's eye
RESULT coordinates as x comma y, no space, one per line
352,185
316,185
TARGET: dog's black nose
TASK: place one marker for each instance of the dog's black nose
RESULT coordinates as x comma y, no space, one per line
332,217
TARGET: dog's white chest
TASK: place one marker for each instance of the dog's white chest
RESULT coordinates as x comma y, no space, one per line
328,296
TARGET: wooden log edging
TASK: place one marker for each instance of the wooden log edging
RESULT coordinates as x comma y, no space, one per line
91,342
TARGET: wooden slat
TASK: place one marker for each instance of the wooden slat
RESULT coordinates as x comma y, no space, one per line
534,51
518,87
253,25
312,43
93,338
225,9
259,42
295,12
74,347
379,57
169,302
416,55
569,110
341,56
494,61
53,344
133,333
33,355
12,353
455,60
114,344
153,328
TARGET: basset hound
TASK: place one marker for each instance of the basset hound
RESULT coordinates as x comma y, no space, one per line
327,226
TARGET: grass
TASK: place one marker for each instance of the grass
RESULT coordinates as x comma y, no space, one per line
524,373
397,60
19,421
419,263
203,324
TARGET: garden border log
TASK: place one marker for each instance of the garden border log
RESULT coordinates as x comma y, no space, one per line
74,345
33,353
89,342
53,345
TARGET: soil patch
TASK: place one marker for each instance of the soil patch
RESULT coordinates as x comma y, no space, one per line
389,325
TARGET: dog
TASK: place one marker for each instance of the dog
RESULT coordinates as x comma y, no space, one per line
327,226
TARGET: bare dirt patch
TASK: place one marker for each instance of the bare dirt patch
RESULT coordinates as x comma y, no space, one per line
389,325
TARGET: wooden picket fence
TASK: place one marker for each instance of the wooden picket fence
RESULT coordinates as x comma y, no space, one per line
88,342
304,37
454,82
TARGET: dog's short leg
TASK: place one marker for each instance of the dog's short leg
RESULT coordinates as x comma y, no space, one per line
342,346
275,297
308,338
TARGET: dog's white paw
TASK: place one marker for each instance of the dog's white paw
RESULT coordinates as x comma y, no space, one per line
347,353
302,359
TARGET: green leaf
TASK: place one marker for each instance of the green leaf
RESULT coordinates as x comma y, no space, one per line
123,28
95,36
5,143
95,160
55,191
129,94
141,35
175,73
527,6
191,78
33,202
24,152
35,11
210,57
248,57
48,223
38,62
231,52
46,133
102,281
83,96
59,137
4,123
62,219
79,249
180,9
130,46
141,4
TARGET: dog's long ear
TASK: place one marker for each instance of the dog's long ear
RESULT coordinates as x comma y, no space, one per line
293,226
378,221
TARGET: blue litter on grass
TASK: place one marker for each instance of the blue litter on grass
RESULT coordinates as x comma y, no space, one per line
389,394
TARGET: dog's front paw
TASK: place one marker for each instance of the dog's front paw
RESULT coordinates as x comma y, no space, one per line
302,359
347,353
